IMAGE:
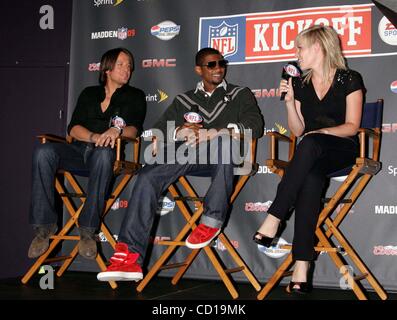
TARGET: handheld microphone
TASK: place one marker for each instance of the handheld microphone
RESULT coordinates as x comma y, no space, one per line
291,69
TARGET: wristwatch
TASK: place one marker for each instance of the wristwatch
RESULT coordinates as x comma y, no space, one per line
118,128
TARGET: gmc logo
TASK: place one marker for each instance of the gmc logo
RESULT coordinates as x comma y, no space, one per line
266,93
158,63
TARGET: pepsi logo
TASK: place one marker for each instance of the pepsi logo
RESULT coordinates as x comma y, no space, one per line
154,30
275,251
193,117
165,206
165,30
393,86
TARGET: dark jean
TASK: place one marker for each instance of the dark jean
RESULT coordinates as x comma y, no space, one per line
76,157
302,185
153,180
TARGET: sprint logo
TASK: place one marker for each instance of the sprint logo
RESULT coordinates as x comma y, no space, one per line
113,3
158,97
163,95
280,128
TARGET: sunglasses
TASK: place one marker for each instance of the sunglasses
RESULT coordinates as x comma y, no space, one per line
212,64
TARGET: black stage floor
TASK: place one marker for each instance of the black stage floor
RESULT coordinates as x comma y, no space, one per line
84,285
81,294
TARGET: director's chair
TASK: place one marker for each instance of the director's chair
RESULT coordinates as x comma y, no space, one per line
191,218
68,188
355,179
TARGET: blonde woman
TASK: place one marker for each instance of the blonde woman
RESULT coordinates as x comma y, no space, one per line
324,107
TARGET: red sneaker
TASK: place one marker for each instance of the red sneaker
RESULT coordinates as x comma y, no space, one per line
201,236
123,266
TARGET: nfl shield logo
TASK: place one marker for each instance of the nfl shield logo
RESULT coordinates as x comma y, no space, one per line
122,33
224,38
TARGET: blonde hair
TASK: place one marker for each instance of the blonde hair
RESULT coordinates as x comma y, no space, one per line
329,42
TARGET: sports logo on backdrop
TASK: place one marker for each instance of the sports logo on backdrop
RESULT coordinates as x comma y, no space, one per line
165,30
387,31
382,209
119,204
121,34
226,34
225,38
269,36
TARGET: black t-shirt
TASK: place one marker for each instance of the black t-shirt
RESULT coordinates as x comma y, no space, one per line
127,102
331,110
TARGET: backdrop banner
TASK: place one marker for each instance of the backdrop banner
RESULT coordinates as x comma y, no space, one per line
257,37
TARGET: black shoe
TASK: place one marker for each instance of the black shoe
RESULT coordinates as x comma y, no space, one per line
263,240
268,241
298,287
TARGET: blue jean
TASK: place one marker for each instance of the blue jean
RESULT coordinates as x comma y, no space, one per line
153,180
77,157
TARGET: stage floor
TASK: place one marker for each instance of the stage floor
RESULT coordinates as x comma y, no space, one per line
84,286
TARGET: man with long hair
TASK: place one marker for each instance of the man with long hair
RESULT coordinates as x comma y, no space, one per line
102,114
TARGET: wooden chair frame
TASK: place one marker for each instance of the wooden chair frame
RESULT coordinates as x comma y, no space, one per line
191,219
362,171
121,167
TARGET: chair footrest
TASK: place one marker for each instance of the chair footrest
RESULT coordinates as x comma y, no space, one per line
73,195
65,237
171,243
232,270
126,167
189,198
56,259
78,195
327,249
360,276
173,265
